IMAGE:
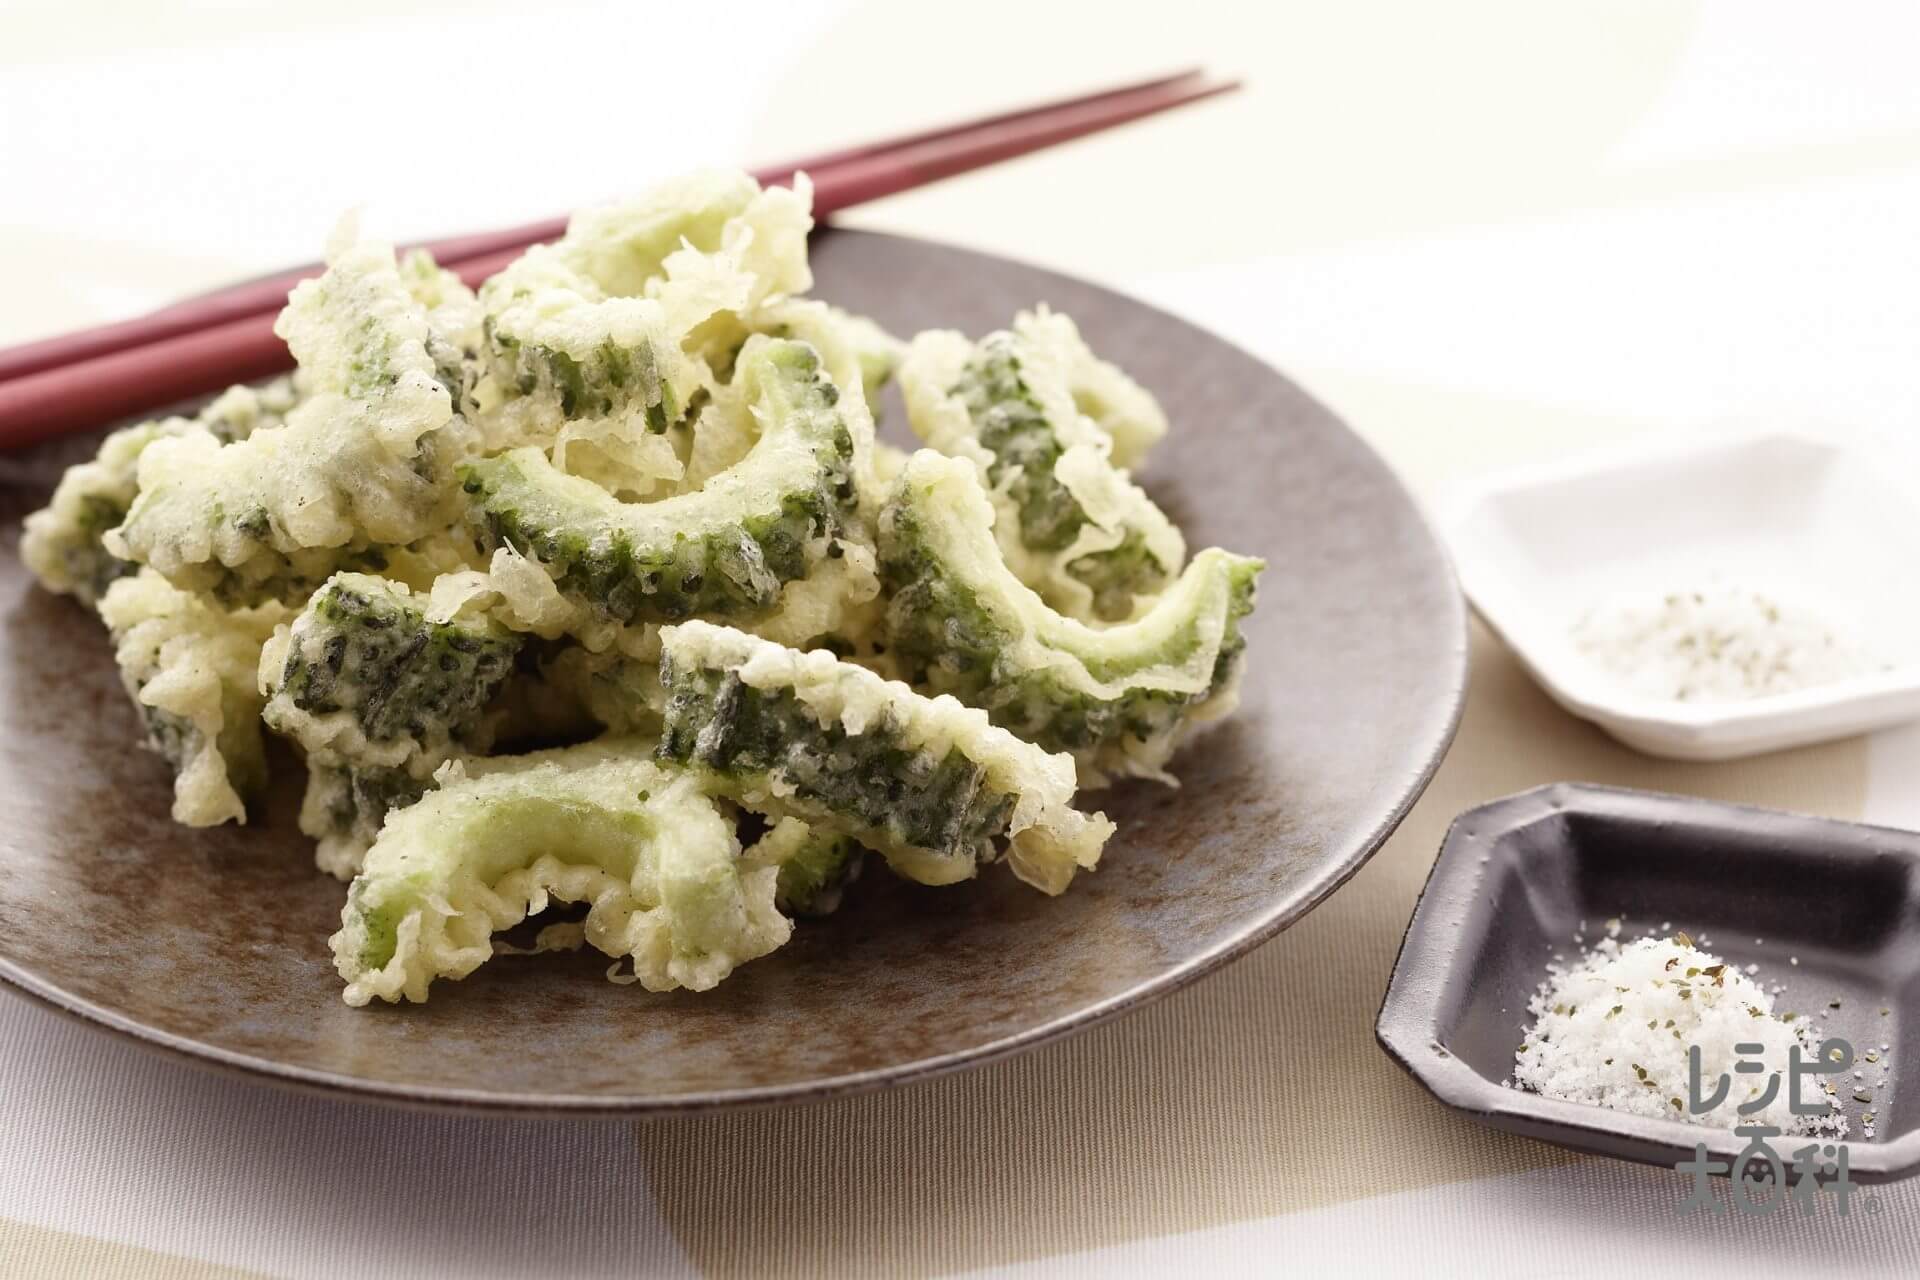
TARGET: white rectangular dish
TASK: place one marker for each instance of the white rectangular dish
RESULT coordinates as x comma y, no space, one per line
1819,523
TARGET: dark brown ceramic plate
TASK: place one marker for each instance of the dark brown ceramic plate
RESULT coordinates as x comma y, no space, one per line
1825,908
213,943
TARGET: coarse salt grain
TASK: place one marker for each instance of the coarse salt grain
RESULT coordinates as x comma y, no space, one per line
1716,643
1614,1028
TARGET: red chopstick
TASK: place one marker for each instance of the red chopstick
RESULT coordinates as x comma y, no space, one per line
79,380
270,293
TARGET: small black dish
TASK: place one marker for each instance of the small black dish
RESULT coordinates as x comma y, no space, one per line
1516,879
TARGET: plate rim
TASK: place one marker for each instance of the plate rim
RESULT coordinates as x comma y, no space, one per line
519,1103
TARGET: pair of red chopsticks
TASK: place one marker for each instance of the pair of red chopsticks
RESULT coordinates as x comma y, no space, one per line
84,379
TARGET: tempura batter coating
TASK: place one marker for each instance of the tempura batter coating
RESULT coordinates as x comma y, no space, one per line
365,460
926,782
1071,524
64,544
498,840
189,666
1121,699
378,695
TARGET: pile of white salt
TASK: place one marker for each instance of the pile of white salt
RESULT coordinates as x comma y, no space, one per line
1716,643
1614,1028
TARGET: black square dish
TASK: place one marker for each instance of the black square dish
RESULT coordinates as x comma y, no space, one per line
1829,909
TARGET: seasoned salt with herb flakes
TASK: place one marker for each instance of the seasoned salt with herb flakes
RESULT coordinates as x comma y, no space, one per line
1613,1030
1717,643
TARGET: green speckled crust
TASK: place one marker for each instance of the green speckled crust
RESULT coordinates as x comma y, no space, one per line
873,784
364,460
1014,428
633,314
932,785
613,380
364,646
1026,447
960,623
378,697
725,550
